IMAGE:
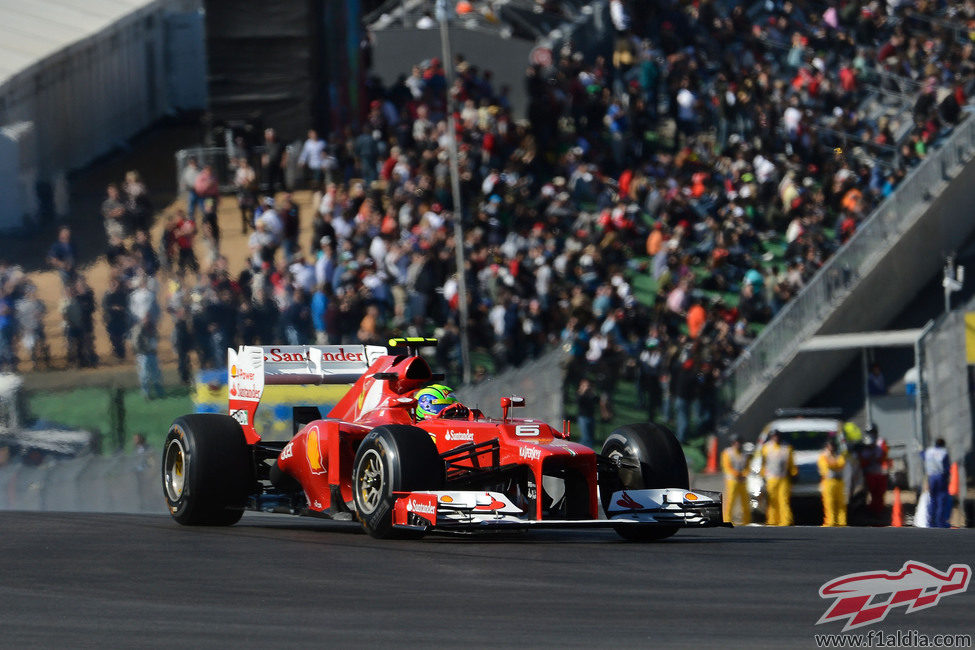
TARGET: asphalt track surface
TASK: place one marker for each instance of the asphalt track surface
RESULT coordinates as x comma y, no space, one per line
107,581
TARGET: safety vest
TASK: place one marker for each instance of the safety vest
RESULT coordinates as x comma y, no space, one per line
776,460
825,466
934,460
736,462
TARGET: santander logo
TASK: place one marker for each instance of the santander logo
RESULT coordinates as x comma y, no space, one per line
342,355
277,355
421,508
459,436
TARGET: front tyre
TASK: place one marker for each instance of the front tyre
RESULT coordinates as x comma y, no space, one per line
648,456
207,470
392,458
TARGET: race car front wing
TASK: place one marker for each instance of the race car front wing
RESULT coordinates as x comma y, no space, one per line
469,511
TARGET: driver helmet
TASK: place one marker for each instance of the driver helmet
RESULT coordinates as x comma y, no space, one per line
430,401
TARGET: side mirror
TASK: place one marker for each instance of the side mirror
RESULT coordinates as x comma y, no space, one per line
401,402
507,403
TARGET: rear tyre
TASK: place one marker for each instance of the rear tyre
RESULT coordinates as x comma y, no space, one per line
392,458
207,470
649,457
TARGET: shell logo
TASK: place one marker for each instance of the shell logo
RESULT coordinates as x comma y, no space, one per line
313,451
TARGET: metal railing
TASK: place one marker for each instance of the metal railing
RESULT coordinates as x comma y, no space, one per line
224,167
805,314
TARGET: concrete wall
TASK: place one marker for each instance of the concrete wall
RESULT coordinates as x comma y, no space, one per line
947,222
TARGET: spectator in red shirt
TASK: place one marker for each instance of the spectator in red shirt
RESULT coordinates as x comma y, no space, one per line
184,231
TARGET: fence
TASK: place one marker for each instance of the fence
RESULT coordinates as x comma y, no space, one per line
947,401
807,312
539,381
220,159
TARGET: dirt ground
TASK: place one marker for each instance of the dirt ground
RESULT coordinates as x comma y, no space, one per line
153,155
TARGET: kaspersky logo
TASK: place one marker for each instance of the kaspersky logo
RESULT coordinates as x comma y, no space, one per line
866,598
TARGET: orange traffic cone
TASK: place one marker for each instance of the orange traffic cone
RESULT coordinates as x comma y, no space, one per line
897,515
712,466
953,480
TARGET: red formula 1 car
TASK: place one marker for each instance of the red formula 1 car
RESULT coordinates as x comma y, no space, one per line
372,460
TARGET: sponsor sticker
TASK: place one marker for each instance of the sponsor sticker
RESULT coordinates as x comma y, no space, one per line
530,453
313,451
493,505
420,508
239,373
459,436
288,451
240,415
245,393
628,503
300,355
275,355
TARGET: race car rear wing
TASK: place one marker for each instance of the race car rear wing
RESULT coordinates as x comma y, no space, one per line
250,368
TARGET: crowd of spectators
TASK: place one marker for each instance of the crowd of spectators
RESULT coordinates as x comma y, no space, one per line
708,135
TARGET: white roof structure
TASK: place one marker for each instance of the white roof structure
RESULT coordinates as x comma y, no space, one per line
884,339
35,29
790,425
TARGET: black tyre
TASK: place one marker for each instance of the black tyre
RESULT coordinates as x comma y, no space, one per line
207,470
392,458
649,457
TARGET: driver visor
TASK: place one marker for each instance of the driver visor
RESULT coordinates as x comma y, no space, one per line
440,404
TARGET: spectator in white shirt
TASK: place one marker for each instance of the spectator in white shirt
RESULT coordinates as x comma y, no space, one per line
313,158
272,222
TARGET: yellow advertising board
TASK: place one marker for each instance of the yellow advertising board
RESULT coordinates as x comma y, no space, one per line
970,337
273,418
